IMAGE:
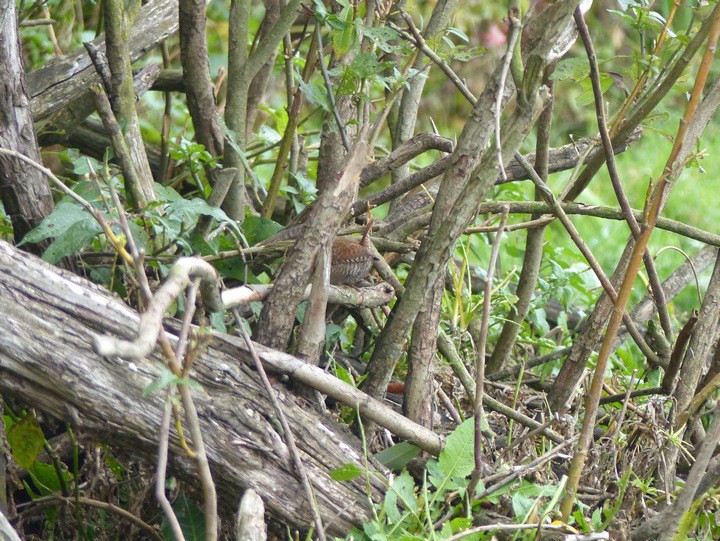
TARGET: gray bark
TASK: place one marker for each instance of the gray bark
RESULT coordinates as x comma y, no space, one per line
24,191
48,322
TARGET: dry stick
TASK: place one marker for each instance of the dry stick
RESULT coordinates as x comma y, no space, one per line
162,468
652,207
643,77
657,290
130,172
480,361
328,86
515,28
532,363
664,526
290,134
54,498
608,213
419,42
289,437
585,250
447,350
199,455
526,468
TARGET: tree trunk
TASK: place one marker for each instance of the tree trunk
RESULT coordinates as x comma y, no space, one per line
24,191
49,319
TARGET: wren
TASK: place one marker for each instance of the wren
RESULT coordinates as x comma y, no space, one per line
352,260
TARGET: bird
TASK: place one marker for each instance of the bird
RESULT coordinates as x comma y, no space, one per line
352,260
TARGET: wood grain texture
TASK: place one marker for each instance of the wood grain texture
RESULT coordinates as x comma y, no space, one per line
46,359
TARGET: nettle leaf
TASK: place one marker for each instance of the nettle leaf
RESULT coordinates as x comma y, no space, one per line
166,379
79,235
456,461
402,489
167,193
190,211
26,440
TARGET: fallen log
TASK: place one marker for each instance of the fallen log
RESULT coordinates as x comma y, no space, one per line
49,319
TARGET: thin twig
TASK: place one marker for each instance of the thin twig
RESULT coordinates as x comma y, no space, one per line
480,359
161,468
512,40
328,86
658,293
419,42
288,434
587,253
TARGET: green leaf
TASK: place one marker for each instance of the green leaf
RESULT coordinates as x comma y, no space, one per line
190,517
320,11
366,64
575,69
456,461
346,473
397,456
167,193
26,440
385,38
316,95
346,40
465,53
45,479
63,217
457,458
257,229
166,379
79,235
402,489
459,33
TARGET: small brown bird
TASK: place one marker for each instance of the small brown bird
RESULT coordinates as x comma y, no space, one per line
352,260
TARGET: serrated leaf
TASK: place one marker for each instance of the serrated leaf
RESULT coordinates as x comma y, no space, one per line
346,473
457,458
166,379
397,456
402,489
26,440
